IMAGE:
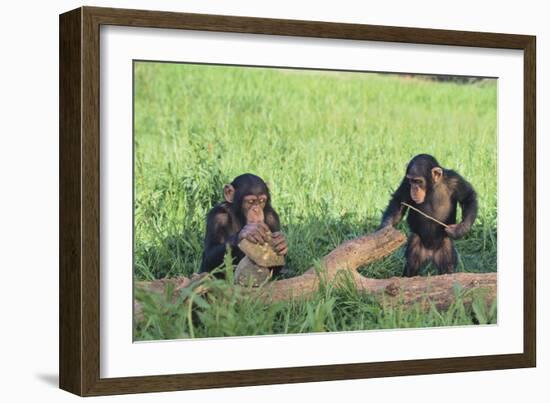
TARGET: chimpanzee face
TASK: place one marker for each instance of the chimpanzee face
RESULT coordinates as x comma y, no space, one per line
253,208
248,196
422,181
418,186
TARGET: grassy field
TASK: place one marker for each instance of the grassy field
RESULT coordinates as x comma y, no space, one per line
332,146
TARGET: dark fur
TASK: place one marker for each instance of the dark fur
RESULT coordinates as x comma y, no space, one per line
429,240
225,220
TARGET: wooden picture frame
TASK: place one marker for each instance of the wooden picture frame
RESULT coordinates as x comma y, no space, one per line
79,346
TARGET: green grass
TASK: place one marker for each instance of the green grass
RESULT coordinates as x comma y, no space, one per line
225,311
332,146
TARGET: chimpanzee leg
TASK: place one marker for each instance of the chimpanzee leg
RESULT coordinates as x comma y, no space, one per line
416,256
445,258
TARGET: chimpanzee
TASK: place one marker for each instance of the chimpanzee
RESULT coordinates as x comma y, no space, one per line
435,191
245,213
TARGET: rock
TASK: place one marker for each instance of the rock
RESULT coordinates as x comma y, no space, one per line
249,274
262,255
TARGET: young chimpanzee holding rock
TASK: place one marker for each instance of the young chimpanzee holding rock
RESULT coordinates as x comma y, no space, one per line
246,213
435,191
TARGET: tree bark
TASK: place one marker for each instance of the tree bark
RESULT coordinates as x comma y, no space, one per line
346,259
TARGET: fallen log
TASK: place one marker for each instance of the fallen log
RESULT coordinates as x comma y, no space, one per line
341,265
438,291
349,257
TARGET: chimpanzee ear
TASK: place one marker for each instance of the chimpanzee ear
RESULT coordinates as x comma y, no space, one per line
437,174
228,193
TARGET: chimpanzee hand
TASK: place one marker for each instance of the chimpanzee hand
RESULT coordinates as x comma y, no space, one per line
256,233
279,243
456,231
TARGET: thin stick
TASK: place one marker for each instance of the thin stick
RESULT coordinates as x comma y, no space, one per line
425,215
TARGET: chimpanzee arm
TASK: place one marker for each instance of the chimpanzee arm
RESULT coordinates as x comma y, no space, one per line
395,210
465,195
272,219
218,237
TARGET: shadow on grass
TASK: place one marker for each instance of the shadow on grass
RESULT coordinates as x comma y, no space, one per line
309,240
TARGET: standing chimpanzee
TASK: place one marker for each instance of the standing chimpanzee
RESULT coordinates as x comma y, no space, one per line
435,191
245,213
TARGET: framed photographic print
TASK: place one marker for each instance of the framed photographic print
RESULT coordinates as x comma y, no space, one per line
249,201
